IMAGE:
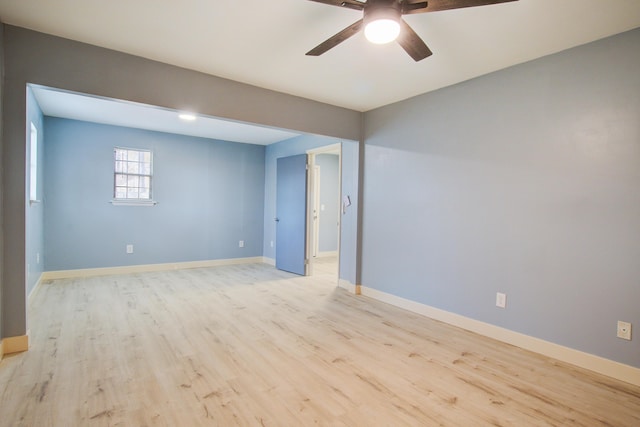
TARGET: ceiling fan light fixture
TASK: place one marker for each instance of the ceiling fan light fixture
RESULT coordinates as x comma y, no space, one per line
382,22
382,31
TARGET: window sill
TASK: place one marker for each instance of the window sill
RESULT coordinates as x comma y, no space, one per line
133,202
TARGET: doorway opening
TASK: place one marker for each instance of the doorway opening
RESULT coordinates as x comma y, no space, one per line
324,197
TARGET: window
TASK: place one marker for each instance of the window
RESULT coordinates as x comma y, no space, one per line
132,176
33,169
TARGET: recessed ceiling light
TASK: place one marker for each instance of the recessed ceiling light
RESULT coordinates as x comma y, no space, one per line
187,117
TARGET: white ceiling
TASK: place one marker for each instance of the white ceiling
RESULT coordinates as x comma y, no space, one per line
76,106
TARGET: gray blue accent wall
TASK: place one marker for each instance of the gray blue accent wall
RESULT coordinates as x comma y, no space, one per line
35,210
300,145
210,196
525,181
1,176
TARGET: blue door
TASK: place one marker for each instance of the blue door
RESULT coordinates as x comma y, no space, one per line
291,213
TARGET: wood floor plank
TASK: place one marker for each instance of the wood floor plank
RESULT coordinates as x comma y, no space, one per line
249,345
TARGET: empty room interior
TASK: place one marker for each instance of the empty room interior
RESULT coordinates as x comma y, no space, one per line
202,225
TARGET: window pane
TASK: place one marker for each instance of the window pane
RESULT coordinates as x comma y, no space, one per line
132,193
133,181
146,169
145,182
133,156
120,154
121,180
120,166
121,193
144,194
133,167
146,156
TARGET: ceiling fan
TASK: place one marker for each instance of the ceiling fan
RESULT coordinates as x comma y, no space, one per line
383,23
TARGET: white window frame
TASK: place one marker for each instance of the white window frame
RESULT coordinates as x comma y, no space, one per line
121,168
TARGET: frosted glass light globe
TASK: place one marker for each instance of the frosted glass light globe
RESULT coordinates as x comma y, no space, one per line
382,31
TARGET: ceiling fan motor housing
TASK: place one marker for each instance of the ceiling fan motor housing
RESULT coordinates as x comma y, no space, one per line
381,9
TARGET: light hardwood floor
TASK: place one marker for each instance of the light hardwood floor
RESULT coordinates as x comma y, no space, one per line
326,266
253,346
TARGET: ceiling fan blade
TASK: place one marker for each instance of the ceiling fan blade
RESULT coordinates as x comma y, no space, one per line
412,43
407,8
436,5
336,39
349,4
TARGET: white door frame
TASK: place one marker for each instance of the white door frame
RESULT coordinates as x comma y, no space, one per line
316,211
312,200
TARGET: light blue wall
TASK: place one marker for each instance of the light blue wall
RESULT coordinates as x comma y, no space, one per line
210,196
329,199
300,145
349,222
525,181
34,211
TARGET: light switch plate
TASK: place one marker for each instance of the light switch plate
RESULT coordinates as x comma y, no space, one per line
501,300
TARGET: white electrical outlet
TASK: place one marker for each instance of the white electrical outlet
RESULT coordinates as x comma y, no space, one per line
129,249
501,300
241,244
272,243
624,330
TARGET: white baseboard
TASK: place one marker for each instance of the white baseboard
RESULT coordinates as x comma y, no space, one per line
578,358
269,261
11,345
35,288
131,269
348,286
